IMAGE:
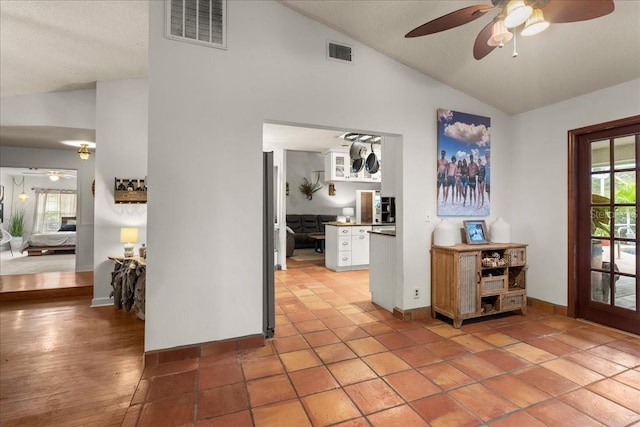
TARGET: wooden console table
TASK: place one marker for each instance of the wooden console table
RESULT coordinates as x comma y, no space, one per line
128,280
469,281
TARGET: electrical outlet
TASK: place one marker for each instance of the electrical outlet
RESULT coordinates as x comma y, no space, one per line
416,293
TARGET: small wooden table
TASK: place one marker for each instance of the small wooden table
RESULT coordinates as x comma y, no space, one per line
129,281
319,241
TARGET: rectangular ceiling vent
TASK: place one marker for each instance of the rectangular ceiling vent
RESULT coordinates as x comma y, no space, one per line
339,52
202,22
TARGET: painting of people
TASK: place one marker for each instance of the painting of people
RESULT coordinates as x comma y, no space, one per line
464,164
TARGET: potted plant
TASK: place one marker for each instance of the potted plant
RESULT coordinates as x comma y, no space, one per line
16,229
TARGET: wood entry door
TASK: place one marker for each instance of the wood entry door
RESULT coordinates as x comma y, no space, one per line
604,222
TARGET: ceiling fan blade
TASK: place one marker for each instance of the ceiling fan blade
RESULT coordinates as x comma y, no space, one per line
480,47
450,20
561,11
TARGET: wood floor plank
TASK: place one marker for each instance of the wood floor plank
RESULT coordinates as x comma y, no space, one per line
64,363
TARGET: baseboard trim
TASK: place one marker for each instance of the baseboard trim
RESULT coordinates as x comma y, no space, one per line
84,268
194,351
425,312
546,306
412,314
101,302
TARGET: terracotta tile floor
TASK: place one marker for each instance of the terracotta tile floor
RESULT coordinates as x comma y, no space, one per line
337,359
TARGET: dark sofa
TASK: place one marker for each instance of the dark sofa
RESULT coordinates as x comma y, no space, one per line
302,226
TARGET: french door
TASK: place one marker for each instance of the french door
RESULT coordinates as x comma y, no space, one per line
603,224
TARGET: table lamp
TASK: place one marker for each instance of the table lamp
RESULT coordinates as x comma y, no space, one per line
348,212
128,236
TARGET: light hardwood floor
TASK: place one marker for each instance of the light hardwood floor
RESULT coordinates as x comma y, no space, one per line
64,363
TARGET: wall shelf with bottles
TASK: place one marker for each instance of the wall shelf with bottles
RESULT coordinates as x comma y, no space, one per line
130,190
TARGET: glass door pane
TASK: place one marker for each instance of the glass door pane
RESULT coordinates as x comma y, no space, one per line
613,222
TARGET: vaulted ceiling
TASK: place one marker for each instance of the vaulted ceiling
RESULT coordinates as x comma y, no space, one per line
56,45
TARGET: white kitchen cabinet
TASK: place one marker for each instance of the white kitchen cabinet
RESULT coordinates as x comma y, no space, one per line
360,245
337,167
347,247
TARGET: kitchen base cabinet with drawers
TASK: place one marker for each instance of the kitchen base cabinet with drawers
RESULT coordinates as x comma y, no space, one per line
469,281
346,246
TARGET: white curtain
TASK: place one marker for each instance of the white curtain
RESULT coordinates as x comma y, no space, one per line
51,206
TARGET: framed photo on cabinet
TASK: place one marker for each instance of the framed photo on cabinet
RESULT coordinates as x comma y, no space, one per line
476,232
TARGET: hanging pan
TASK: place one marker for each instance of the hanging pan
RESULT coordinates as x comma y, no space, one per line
355,152
372,164
357,165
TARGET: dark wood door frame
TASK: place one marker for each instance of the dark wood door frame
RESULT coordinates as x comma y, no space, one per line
574,135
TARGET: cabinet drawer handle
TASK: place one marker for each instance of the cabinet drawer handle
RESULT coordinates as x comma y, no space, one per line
345,243
345,258
361,237
345,231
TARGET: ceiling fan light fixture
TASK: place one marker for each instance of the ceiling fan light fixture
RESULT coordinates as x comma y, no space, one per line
499,34
517,13
535,24
83,152
54,176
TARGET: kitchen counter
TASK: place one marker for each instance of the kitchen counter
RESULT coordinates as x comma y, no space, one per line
357,224
385,232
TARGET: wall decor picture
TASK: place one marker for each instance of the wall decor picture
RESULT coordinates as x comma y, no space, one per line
464,164
475,232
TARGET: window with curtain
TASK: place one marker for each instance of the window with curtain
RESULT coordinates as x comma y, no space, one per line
51,206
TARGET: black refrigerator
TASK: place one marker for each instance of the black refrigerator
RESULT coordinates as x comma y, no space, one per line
268,268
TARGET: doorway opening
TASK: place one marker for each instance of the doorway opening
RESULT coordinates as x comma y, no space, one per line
301,152
39,207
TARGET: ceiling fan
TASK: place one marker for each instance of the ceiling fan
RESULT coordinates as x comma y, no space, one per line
53,175
532,16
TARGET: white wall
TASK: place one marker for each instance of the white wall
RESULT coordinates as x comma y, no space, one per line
302,164
539,188
121,140
205,120
63,159
74,109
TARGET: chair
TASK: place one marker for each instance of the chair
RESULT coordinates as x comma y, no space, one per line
6,238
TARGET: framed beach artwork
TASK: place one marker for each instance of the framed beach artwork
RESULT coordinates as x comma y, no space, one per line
464,164
475,232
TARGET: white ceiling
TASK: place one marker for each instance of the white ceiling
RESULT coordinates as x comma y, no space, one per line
564,61
56,45
40,173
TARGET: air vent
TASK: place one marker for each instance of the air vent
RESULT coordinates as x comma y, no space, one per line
197,21
338,52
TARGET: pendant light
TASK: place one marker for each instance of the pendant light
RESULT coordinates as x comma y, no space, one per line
499,34
535,24
517,13
83,152
22,196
